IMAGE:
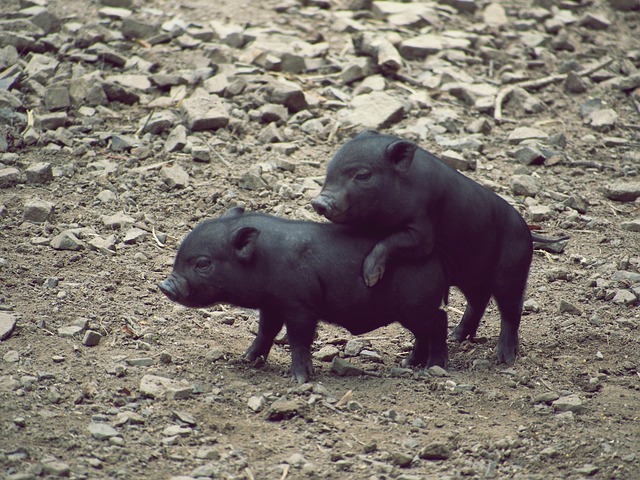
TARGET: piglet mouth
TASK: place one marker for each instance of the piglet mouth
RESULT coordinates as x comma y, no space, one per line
174,288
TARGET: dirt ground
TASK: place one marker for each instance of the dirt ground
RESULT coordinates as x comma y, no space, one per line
579,344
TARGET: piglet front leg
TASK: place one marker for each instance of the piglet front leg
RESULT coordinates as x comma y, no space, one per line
270,324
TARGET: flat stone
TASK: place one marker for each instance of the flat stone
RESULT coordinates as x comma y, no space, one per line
494,15
342,368
157,122
55,468
7,324
134,235
624,297
529,155
161,387
66,241
539,213
326,353
457,160
526,133
595,21
140,362
283,409
41,67
631,226
40,172
288,94
103,245
435,451
102,431
205,111
375,110
138,29
525,185
120,143
9,177
566,307
174,176
569,403
117,220
620,191
91,338
56,97
256,403
216,84
38,211
176,140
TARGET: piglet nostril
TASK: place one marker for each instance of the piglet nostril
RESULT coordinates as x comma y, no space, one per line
168,288
319,206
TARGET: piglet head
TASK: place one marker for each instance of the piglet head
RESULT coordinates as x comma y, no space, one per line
213,263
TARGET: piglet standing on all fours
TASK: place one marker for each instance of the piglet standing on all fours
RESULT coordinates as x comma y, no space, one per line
383,181
297,273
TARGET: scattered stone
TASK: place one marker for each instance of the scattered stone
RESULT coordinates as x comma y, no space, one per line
56,468
566,307
283,409
38,211
524,185
624,297
140,362
435,451
176,140
9,177
623,191
39,173
205,111
174,176
102,431
7,325
288,94
257,403
326,353
457,160
117,220
75,328
375,110
342,368
66,241
160,387
529,155
569,403
91,338
134,235
631,226
603,120
539,213
437,371
525,133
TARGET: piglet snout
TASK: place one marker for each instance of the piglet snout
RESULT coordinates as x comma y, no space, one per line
321,206
173,289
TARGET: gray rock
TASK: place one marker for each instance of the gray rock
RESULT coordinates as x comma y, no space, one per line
437,371
174,176
38,211
435,451
603,120
257,403
91,338
103,245
568,403
625,5
107,54
288,94
120,143
216,84
107,196
66,241
56,468
41,67
631,226
283,409
595,21
575,83
529,155
176,140
526,133
326,353
273,113
39,173
7,325
525,185
161,387
102,431
157,122
205,111
140,362
56,97
566,307
624,297
342,368
134,235
138,29
457,160
375,110
539,213
200,153
9,177
117,220
620,191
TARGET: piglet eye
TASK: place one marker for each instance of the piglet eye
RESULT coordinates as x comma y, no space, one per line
363,176
202,263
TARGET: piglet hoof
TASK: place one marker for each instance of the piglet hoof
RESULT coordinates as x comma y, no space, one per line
507,355
372,273
460,334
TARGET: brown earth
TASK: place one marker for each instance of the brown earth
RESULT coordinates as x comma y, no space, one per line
482,420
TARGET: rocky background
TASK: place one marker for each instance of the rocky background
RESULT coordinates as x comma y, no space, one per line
123,123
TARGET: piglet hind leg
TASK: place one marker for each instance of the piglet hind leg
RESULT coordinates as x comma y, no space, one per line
269,326
476,305
510,315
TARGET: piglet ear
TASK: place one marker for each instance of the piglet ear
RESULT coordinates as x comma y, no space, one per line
244,242
400,153
234,212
